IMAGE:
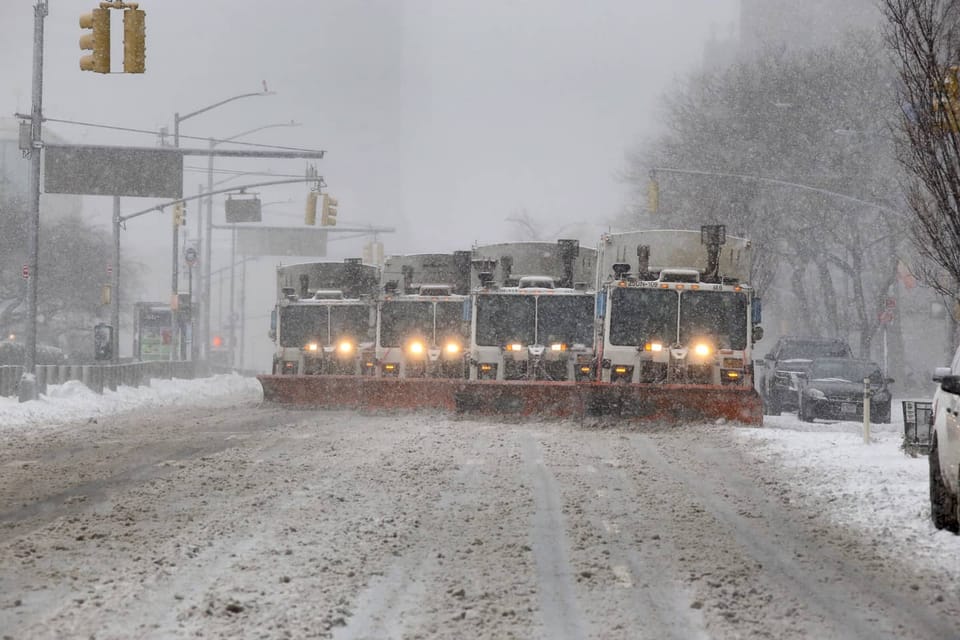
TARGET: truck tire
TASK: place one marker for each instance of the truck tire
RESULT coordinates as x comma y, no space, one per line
805,414
943,504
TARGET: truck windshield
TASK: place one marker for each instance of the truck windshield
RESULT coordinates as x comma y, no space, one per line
566,319
502,319
450,323
719,315
302,323
638,316
400,321
350,321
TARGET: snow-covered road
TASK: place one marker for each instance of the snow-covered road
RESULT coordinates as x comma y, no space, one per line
188,509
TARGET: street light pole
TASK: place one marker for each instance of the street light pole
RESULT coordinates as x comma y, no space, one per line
207,285
28,385
177,119
115,285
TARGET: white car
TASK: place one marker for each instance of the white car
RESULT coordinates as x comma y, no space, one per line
945,448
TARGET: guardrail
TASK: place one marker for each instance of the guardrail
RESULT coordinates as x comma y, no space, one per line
98,377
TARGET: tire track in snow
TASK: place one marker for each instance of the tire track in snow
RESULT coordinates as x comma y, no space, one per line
644,597
559,608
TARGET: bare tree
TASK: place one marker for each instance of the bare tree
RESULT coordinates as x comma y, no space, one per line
925,38
792,149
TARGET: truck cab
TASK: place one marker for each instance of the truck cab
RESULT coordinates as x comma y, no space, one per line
678,312
533,312
326,324
423,316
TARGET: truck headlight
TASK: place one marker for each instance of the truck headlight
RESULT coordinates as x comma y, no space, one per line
415,348
558,346
816,394
701,349
312,347
653,346
452,348
345,347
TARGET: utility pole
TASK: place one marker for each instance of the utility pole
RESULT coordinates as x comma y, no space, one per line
28,382
115,285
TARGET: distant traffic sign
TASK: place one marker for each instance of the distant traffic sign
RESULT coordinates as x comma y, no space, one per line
190,255
25,272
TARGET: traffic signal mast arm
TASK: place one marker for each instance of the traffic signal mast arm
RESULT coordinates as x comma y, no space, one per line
161,207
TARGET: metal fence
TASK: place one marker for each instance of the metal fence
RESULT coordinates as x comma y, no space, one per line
917,426
98,377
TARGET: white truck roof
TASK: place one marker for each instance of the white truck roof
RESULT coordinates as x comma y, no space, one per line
673,249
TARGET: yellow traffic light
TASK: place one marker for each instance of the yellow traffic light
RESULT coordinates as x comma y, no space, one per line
97,41
179,215
328,214
134,41
310,214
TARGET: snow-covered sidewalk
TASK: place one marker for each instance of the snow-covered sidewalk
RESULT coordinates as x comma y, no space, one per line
74,402
875,488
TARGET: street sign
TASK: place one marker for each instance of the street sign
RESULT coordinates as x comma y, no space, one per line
242,209
113,171
109,269
280,241
190,255
25,272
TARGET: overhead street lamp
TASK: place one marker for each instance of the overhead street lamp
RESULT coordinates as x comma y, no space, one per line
177,119
205,263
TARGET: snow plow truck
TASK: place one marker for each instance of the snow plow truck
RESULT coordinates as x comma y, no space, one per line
423,326
555,330
324,318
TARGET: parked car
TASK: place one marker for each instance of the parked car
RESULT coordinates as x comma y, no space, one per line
945,448
790,357
833,388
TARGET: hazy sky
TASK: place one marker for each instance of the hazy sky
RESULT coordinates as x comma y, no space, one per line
440,118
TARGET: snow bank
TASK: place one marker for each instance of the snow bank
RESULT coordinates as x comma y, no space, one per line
72,401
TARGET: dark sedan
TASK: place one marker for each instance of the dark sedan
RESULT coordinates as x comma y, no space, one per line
833,388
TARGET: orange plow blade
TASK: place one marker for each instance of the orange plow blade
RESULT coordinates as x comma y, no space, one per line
671,404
